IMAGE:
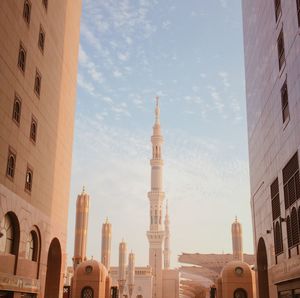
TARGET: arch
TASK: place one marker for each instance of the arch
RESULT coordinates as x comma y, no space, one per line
52,284
11,163
262,269
87,292
22,58
26,11
240,293
294,226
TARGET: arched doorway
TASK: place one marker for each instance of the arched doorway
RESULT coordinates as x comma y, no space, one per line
240,293
262,269
53,270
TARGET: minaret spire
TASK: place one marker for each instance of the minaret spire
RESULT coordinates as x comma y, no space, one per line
156,197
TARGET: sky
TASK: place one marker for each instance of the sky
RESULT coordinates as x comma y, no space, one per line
190,54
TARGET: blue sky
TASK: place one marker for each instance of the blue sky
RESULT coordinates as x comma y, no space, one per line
190,53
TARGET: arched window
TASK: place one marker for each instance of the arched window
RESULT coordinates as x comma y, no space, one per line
37,83
240,293
33,130
32,246
41,42
45,3
87,292
9,228
28,180
289,231
17,110
26,11
278,239
22,58
11,164
294,226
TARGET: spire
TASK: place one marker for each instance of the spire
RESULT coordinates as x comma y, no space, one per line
83,190
157,111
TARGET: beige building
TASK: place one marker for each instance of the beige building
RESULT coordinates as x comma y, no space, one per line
38,70
272,65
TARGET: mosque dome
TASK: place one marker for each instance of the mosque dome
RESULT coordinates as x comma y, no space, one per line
91,270
236,271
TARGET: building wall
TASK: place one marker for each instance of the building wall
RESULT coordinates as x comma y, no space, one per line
46,206
170,283
271,142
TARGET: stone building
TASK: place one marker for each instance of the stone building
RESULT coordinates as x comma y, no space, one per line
38,73
272,66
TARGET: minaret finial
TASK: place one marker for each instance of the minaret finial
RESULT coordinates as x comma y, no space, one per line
236,219
83,189
106,220
157,110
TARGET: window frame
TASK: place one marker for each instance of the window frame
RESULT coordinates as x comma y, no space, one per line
11,153
285,102
281,49
45,4
25,17
22,64
41,33
33,137
28,185
298,11
278,9
37,76
17,119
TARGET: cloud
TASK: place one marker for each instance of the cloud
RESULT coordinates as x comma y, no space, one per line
85,84
224,76
117,73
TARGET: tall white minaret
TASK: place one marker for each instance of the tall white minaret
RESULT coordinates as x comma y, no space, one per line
167,252
81,228
237,240
106,244
156,196
122,266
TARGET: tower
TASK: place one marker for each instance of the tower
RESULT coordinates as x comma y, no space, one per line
106,244
237,240
167,252
81,228
156,196
122,266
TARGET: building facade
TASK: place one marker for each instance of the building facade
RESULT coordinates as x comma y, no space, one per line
272,67
38,72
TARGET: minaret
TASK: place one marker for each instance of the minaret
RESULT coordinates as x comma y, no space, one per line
81,228
156,197
131,273
237,240
122,266
167,252
106,244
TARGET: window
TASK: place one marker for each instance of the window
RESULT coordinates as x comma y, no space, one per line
289,231
27,11
17,110
32,247
298,11
11,163
28,179
41,41
280,48
276,214
45,3
277,4
291,181
7,230
278,243
22,58
37,83
284,102
240,293
33,129
294,227
87,292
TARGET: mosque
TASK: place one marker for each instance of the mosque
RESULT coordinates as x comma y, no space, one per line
92,279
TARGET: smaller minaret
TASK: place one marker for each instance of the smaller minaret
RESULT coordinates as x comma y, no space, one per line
237,240
81,228
122,266
167,252
106,244
131,273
